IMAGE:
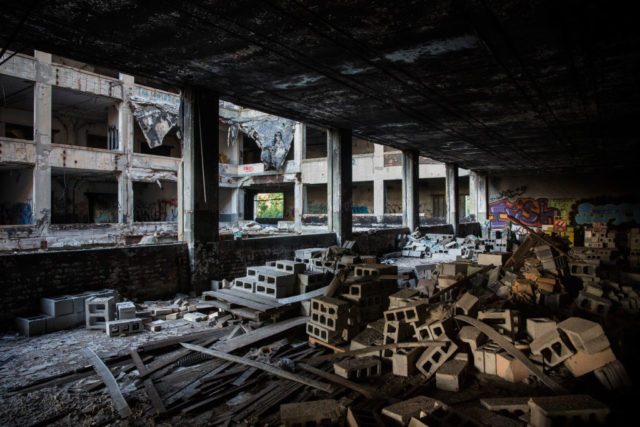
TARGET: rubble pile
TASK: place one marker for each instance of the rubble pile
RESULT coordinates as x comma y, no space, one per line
445,246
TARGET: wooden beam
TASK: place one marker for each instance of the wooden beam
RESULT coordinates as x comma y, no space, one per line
365,350
152,393
262,366
368,392
257,335
103,372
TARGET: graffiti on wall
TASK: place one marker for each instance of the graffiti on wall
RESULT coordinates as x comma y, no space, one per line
359,210
16,214
613,213
316,208
532,212
161,210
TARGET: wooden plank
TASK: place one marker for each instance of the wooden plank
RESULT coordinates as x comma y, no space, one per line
103,372
368,392
152,393
258,298
175,341
313,341
262,366
303,297
257,335
365,350
243,300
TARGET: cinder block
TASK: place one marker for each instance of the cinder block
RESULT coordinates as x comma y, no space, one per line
403,361
291,266
68,321
576,409
415,312
403,297
374,270
583,363
308,253
444,416
441,330
358,368
450,376
32,326
310,280
402,412
421,332
247,283
331,323
582,269
367,338
126,310
593,304
467,305
323,334
317,412
538,326
613,376
57,306
99,311
473,337
124,327
495,258
329,306
585,335
446,281
484,358
506,321
510,369
396,331
433,357
552,347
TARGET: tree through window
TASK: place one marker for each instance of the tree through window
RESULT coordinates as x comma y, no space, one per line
270,205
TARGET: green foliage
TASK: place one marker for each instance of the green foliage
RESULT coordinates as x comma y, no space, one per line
270,205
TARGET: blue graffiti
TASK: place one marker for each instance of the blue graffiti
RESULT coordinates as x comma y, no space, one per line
359,210
621,213
25,213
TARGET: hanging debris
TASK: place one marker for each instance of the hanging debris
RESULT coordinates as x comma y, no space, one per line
274,136
156,118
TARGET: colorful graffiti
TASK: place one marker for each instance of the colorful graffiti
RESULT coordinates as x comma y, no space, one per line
531,212
614,213
18,213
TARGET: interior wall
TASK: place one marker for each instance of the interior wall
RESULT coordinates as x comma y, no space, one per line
316,143
16,196
428,188
362,194
228,210
316,202
79,199
152,203
16,123
360,146
393,196
580,199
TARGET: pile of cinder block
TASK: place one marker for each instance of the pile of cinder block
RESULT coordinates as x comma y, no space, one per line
115,318
280,279
331,320
59,313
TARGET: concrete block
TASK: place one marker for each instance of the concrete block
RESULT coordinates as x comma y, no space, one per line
415,312
510,369
582,363
317,413
505,321
329,306
585,335
421,331
495,258
195,317
593,304
546,284
403,297
613,376
68,321
484,358
433,357
538,326
467,305
367,338
561,410
331,323
444,416
311,280
512,405
57,306
402,412
274,290
446,281
441,330
358,368
403,361
32,326
126,310
291,266
473,337
396,331
308,253
450,376
374,270
247,284
553,347
323,334
98,311
582,269
115,328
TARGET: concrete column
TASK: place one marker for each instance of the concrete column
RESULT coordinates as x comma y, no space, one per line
478,196
410,190
125,142
200,167
378,182
339,183
451,183
42,138
299,148
473,195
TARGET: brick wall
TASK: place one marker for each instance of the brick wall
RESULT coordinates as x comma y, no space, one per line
229,259
141,272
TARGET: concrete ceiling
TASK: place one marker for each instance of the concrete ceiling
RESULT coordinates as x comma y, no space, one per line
493,85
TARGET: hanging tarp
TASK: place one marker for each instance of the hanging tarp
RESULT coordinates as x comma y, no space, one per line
156,118
274,136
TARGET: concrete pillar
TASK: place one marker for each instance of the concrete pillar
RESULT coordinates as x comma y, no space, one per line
200,167
42,138
478,196
410,190
451,183
299,148
339,183
378,182
125,142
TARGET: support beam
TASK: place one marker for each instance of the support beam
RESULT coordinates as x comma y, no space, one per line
125,141
299,146
478,196
200,170
339,183
42,137
410,187
451,182
378,182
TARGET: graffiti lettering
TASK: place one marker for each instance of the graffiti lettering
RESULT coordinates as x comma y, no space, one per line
620,213
532,212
